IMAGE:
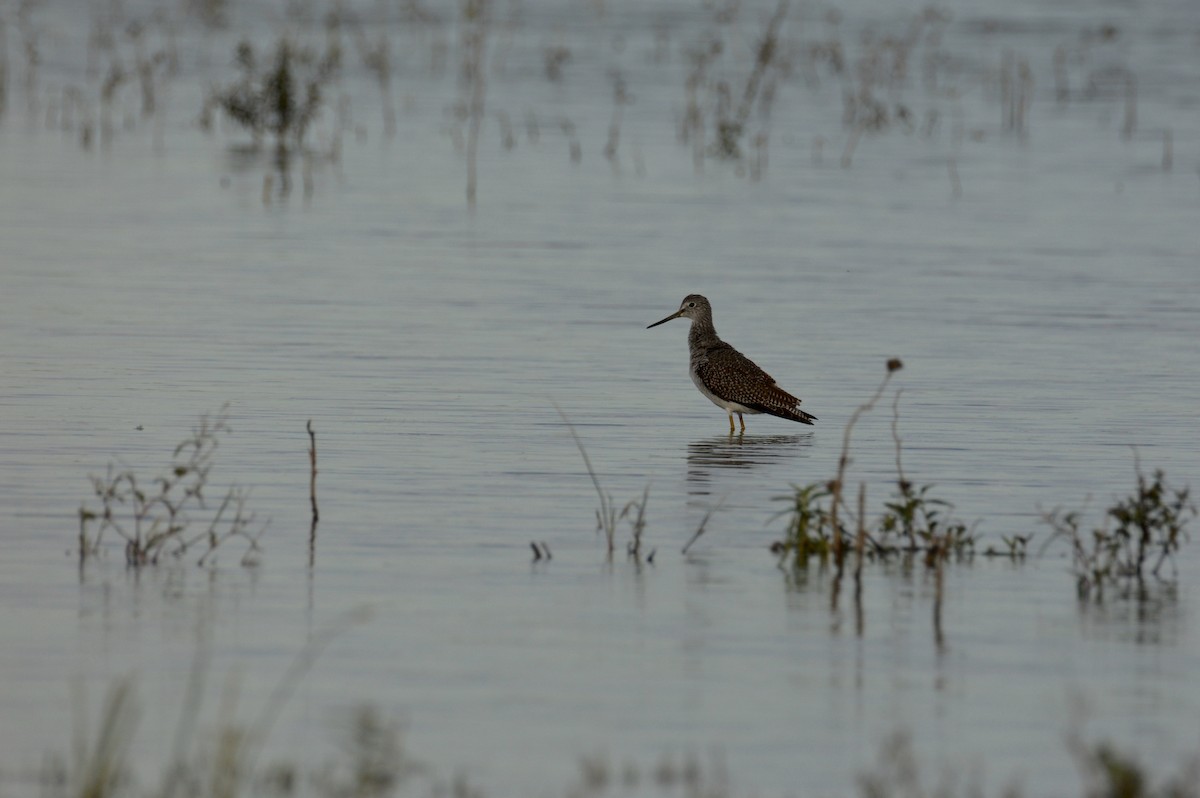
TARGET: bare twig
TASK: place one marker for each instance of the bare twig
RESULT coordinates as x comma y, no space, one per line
476,22
896,438
893,365
703,523
606,515
312,482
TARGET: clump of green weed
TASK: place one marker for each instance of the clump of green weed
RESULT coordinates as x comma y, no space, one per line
1106,771
167,517
913,522
279,96
1148,528
811,526
1014,547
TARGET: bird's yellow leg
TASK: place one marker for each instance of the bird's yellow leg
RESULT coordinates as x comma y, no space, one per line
730,422
742,420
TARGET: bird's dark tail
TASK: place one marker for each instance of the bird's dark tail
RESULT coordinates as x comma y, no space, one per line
779,403
794,415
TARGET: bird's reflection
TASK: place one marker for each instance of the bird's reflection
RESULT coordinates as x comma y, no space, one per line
708,455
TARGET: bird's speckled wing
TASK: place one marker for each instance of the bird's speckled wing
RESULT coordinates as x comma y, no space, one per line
735,378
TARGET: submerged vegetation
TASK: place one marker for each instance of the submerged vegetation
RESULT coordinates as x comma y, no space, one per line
167,518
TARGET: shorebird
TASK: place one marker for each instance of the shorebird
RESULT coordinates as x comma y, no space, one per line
728,378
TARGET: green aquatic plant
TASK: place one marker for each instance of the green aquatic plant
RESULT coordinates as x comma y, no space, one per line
812,527
167,517
914,521
1106,771
279,97
1147,529
1014,547
923,523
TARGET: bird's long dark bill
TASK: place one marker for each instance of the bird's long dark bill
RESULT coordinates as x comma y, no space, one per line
664,321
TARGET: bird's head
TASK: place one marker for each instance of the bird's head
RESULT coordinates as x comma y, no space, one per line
693,306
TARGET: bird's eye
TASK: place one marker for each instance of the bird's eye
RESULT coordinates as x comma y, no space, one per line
691,304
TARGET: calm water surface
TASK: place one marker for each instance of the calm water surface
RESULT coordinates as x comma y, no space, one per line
1047,317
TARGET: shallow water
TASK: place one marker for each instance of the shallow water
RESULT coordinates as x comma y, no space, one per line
1047,319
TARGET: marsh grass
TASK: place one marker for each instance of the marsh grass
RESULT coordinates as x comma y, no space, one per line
874,82
168,517
376,56
223,762
1110,772
1105,771
1015,547
732,120
718,108
1016,93
608,517
277,96
373,760
474,28
126,56
913,521
891,76
621,98
4,68
1138,539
